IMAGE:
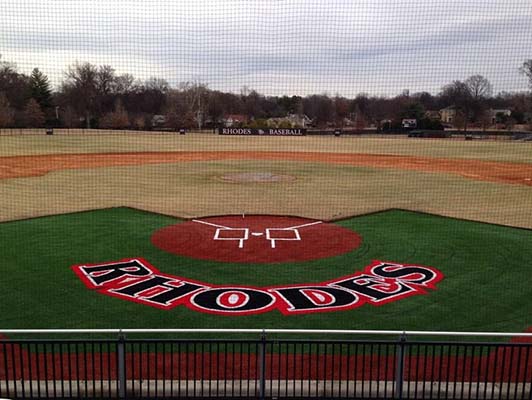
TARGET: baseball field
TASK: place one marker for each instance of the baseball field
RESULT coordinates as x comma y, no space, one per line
204,231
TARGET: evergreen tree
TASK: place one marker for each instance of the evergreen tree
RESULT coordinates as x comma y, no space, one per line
40,89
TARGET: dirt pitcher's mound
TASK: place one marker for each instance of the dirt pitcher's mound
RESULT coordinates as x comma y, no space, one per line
256,177
256,239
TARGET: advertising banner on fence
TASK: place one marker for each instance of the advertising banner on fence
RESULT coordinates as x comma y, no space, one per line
263,131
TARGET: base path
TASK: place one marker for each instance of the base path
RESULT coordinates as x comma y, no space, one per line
493,171
256,239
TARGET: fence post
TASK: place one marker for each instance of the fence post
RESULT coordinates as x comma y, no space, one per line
262,365
121,352
530,387
400,367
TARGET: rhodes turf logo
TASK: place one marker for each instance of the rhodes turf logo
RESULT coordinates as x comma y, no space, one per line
138,281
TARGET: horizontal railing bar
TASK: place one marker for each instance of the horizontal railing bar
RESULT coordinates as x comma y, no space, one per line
273,341
270,331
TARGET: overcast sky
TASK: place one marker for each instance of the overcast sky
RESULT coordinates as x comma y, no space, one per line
278,47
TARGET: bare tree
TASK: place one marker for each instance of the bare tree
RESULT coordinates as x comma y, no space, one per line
458,94
89,92
69,117
289,105
425,99
460,120
177,105
105,80
139,122
199,97
526,69
480,90
117,119
125,84
319,108
190,99
7,114
33,115
14,85
252,103
176,120
375,109
81,89
485,119
157,84
341,109
216,107
479,87
358,118
152,95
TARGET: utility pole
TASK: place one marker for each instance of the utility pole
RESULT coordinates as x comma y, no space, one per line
199,107
197,99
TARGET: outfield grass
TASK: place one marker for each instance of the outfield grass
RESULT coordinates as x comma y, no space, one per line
63,144
486,268
321,191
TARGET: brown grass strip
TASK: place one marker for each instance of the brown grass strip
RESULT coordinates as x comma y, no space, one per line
492,171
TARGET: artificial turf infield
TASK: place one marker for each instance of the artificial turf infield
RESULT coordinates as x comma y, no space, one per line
486,268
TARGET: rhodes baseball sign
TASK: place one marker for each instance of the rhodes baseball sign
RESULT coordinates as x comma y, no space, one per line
258,239
263,131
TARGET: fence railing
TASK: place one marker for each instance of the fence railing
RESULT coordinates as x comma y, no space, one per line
402,367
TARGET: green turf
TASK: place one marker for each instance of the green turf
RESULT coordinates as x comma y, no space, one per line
487,269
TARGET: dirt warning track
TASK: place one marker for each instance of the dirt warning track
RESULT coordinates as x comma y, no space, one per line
491,171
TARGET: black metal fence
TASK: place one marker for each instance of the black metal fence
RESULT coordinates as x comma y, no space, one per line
264,368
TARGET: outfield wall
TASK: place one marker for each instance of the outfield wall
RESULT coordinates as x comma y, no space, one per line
478,134
79,131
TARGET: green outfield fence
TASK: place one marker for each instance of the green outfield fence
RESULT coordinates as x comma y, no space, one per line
267,364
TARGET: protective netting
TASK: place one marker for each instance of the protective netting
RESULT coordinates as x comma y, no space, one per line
185,137
277,47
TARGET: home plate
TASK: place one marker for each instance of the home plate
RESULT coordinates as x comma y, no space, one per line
257,233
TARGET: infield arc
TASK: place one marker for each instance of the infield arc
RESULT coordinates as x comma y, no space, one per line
256,239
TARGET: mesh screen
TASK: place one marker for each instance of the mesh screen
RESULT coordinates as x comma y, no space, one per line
266,164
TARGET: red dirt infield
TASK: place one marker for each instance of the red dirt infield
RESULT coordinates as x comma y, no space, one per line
256,239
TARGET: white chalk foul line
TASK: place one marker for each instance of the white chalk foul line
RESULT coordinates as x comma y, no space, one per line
211,224
302,226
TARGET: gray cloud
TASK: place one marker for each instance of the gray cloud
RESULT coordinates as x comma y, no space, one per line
295,46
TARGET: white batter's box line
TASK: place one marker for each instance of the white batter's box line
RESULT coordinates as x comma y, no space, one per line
294,229
273,240
220,228
241,240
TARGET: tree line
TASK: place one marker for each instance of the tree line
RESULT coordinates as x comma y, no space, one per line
92,96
